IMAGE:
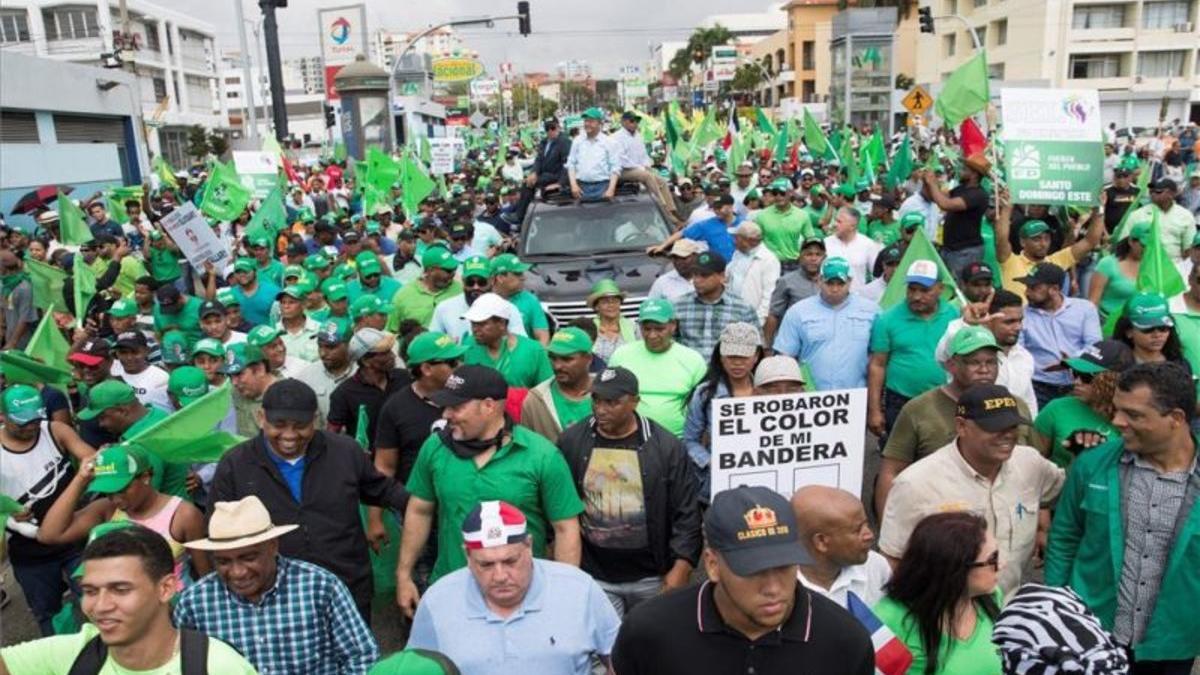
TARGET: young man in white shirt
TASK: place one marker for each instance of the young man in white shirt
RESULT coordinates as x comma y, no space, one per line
858,249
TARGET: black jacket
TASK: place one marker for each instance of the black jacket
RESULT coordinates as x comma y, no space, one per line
668,488
551,165
337,476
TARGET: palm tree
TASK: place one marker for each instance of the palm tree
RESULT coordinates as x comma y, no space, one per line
698,47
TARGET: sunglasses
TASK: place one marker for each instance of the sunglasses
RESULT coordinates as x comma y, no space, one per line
475,282
992,561
1085,378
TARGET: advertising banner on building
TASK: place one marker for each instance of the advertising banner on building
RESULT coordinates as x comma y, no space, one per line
343,32
788,441
1053,146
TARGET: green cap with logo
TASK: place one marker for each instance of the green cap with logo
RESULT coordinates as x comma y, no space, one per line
1140,232
333,333
1033,228
116,466
367,305
507,263
123,308
780,185
372,227
345,272
295,291
174,347
187,384
368,264
261,336
227,297
835,267
317,261
434,346
23,404
259,240
971,339
477,266
1149,310
658,310
210,346
240,356
105,395
334,290
293,271
593,113
245,265
912,220
413,661
570,341
439,256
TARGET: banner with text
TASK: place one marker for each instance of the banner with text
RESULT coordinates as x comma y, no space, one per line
343,32
788,441
195,238
259,171
442,153
1054,152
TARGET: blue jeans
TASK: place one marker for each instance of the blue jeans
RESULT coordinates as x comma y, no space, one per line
626,595
44,584
592,190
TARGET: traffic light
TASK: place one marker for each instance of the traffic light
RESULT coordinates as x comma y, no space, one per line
523,17
925,16
330,119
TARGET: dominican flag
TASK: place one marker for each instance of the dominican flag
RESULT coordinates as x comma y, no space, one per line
891,656
732,128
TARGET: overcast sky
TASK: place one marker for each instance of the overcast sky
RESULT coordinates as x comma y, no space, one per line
606,33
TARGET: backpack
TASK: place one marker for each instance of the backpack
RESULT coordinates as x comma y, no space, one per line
193,655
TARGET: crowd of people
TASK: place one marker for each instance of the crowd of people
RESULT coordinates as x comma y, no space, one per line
538,493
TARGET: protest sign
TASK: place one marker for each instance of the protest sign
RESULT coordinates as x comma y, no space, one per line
1053,150
259,171
441,155
195,239
788,441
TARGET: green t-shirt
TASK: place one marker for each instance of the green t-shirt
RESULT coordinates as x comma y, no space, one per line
532,314
1187,326
569,412
909,341
975,655
524,364
385,291
187,320
170,478
1119,288
530,473
415,302
665,381
164,264
782,231
273,272
54,656
815,215
132,269
884,233
1061,418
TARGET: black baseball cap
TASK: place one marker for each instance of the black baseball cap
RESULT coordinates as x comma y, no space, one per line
351,236
1044,273
296,250
289,400
885,201
991,406
813,241
891,254
1164,184
469,383
212,307
133,339
976,271
754,529
631,116
613,383
723,200
1105,355
168,296
460,230
710,262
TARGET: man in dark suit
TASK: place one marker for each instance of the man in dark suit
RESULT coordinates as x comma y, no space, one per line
549,167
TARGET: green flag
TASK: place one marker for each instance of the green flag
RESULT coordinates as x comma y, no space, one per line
8,507
116,198
360,428
21,368
918,249
382,170
415,184
874,151
73,228
48,283
271,146
166,175
270,218
48,345
190,435
708,131
814,138
225,198
902,165
84,286
1157,272
765,124
965,92
426,151
780,144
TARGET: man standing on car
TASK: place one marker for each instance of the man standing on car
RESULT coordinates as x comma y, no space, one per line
634,163
593,165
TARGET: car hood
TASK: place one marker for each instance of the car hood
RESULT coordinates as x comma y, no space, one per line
572,279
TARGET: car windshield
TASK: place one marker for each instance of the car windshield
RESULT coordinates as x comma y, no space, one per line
594,229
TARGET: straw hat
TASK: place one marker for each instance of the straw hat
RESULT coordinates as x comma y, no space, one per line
239,524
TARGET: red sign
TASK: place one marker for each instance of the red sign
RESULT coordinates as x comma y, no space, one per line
457,121
330,90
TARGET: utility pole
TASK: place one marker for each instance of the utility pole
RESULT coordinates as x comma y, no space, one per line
274,67
250,119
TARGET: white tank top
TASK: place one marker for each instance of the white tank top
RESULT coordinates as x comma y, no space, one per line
34,478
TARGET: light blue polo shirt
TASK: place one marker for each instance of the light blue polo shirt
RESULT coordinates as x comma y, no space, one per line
564,620
833,341
1055,336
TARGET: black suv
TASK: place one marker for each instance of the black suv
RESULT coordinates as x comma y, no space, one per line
572,245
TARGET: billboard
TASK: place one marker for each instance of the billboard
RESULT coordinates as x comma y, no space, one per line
343,32
456,69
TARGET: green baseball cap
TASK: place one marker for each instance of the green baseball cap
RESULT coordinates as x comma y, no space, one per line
658,310
240,356
971,339
293,271
605,288
174,345
507,263
845,190
817,189
187,384
862,185
245,265
116,466
333,333
345,272
23,404
836,267
368,264
105,395
334,290
260,336
413,661
477,266
317,261
307,216
259,240
912,220
433,346
1033,228
372,227
123,308
1140,232
780,185
570,341
367,305
294,291
593,113
210,346
227,297
1148,310
439,256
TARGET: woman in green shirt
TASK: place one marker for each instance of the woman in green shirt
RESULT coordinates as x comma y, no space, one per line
1084,419
942,600
1114,281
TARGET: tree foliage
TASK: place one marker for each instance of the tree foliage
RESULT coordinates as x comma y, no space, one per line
698,47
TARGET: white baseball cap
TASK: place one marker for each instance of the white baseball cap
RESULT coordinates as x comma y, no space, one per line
924,272
487,306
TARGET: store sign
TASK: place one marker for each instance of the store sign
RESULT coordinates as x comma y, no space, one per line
343,33
456,69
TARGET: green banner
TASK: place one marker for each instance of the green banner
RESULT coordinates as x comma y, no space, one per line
1053,154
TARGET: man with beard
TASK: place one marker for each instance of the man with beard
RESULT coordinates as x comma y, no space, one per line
418,299
1057,327
476,280
795,286
562,400
481,446
364,392
333,368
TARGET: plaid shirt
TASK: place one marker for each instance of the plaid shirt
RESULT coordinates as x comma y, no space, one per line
306,623
700,324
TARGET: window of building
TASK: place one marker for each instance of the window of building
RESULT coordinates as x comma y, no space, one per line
996,71
14,26
160,88
152,43
70,23
18,127
1090,66
948,44
951,6
808,55
980,3
1160,64
1098,16
1164,15
1001,32
981,31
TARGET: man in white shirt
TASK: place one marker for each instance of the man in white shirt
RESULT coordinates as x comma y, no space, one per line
678,281
635,162
920,202
834,529
754,270
858,249
133,366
